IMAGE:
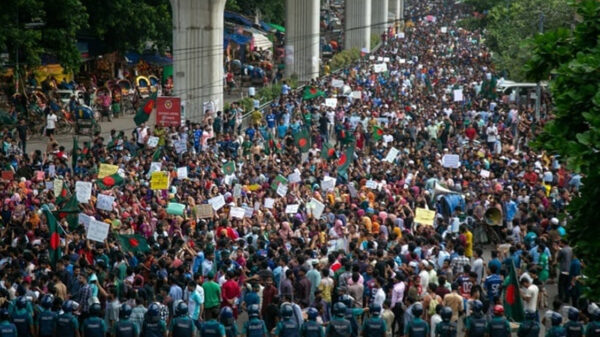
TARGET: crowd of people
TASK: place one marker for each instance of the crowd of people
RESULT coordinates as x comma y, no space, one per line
331,238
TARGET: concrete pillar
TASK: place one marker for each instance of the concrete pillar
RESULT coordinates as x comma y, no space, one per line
302,39
357,16
198,54
379,16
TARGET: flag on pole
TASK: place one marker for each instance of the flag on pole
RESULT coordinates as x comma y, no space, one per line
327,151
311,92
513,305
133,243
110,181
54,242
377,133
145,110
302,140
344,161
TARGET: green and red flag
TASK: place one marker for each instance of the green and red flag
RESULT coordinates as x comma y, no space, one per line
327,151
344,161
55,231
377,133
228,168
110,181
311,92
63,196
70,211
302,140
145,110
513,305
133,243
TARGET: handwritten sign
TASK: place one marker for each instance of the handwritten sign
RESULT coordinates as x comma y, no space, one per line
237,212
152,142
217,202
155,166
424,216
269,202
180,146
353,191
182,172
237,191
107,170
392,154
97,230
458,95
204,211
292,209
356,94
328,184
83,191
451,161
105,202
380,67
58,186
337,83
159,180
331,102
371,184
248,211
84,219
282,190
294,177
316,208
484,173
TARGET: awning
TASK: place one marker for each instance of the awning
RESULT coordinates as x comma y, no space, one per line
237,38
155,59
231,16
277,27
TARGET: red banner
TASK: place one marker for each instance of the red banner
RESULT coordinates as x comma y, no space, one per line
168,111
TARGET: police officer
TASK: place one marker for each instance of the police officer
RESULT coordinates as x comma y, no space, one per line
556,330
446,328
22,318
66,323
593,327
153,326
530,327
288,327
182,325
339,326
7,329
254,327
46,320
311,328
574,328
352,313
498,325
124,327
417,327
476,324
212,328
374,326
94,326
226,318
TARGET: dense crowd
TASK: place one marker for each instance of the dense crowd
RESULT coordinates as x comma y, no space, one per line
332,238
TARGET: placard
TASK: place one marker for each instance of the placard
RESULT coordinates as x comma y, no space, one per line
97,230
424,216
57,187
282,190
392,154
380,67
317,208
458,95
484,173
52,171
331,102
84,219
237,191
451,161
248,211
180,146
105,202
159,181
294,177
328,184
204,211
444,30
353,191
386,59
175,208
168,111
356,94
182,172
48,185
337,83
106,170
269,202
155,166
292,209
217,202
371,184
237,212
279,179
83,191
400,35
152,142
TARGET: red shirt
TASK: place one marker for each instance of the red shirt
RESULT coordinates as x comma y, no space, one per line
470,133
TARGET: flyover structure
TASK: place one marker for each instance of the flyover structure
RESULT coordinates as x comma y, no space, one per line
357,17
302,39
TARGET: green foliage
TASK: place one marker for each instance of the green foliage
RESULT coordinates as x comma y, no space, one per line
375,40
271,10
344,58
573,59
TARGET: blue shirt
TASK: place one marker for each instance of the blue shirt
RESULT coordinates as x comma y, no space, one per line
281,131
271,120
493,285
250,132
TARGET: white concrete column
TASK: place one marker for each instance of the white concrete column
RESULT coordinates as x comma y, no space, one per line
357,18
379,16
302,39
198,54
394,7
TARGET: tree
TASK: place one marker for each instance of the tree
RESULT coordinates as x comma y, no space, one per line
271,10
572,58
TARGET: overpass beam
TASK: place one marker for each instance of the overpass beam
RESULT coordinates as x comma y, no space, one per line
357,18
302,39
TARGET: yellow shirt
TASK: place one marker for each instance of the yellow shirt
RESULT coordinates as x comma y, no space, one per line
469,247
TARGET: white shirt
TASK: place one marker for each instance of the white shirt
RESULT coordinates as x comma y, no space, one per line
478,269
491,132
435,319
379,297
51,120
532,292
424,279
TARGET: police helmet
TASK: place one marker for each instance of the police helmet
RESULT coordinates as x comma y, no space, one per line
226,316
498,310
556,319
153,312
417,309
312,313
125,311
339,309
47,301
253,311
4,316
181,309
375,309
96,310
446,314
21,302
68,306
477,306
347,300
594,311
530,315
573,314
287,311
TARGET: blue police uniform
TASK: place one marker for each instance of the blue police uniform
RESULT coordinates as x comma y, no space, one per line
46,323
351,317
417,328
445,329
498,327
529,328
182,327
231,330
592,329
374,327
574,329
255,328
556,331
93,327
339,327
67,325
287,328
23,321
125,328
153,329
311,329
212,328
476,326
8,329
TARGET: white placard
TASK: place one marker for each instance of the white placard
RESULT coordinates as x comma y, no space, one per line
217,202
451,161
84,219
372,184
356,94
48,185
152,142
458,95
317,208
392,154
97,230
337,83
57,186
402,61
269,202
155,166
248,211
380,67
331,102
105,202
182,172
353,191
237,212
484,173
371,58
237,191
444,30
400,35
282,190
327,184
294,178
180,146
83,191
379,59
386,59
292,209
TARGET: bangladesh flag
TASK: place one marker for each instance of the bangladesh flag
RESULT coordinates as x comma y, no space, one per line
327,151
377,133
133,243
110,181
63,196
513,306
74,153
54,242
145,110
302,140
311,92
228,168
70,211
157,154
344,161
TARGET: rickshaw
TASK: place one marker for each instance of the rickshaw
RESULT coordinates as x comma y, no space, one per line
127,96
154,83
84,119
142,84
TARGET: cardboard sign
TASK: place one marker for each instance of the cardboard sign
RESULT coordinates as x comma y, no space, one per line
175,208
316,208
356,94
155,166
380,67
237,212
180,146
248,211
182,172
282,190
331,102
97,230
392,154
400,35
424,216
269,202
105,202
451,161
328,184
107,170
337,83
217,202
204,211
83,191
237,191
484,173
444,30
152,142
159,181
371,184
292,209
58,186
458,95
294,177
168,111
84,219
